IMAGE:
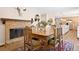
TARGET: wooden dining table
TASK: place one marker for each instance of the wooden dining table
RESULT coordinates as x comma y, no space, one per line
43,36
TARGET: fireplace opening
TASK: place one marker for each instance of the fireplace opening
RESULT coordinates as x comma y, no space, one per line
15,33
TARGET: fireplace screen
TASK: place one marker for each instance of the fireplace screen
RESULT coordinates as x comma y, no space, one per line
15,33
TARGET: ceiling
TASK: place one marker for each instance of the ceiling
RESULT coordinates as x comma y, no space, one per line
58,11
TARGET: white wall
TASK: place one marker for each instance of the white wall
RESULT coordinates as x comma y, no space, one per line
31,12
11,12
2,33
8,12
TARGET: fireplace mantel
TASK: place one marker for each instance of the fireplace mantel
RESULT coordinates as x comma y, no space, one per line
9,19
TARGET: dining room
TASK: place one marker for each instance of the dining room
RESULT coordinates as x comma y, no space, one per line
39,28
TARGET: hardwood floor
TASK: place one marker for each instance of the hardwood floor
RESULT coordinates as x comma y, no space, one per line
72,36
13,46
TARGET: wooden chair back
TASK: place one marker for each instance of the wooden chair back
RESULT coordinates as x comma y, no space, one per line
27,38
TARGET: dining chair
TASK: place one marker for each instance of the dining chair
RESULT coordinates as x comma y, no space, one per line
51,41
30,43
55,42
27,38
